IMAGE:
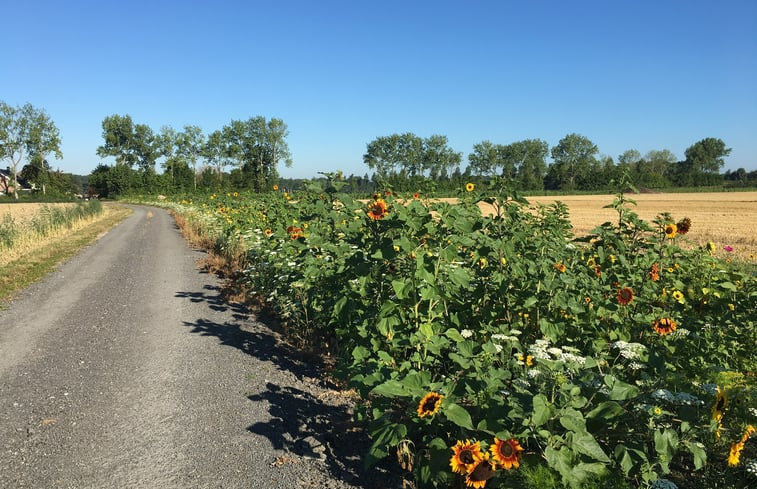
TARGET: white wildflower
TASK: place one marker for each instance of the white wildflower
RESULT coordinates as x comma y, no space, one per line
751,467
636,366
466,333
498,348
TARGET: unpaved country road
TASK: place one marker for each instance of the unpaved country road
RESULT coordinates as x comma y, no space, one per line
124,369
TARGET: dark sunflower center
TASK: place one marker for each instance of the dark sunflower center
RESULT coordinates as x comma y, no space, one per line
482,472
720,404
506,450
429,404
466,457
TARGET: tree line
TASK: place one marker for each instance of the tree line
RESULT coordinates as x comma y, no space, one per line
190,158
576,163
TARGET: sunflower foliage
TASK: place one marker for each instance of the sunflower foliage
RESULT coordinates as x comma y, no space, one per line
482,341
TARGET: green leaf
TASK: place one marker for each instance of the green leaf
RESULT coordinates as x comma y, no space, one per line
460,277
458,415
619,390
572,420
529,302
542,412
391,388
454,335
587,445
606,410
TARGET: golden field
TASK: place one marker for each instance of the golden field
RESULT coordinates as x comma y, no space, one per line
725,218
22,213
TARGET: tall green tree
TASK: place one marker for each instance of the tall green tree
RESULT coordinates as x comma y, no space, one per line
485,158
438,158
26,132
573,158
707,155
119,140
529,159
190,146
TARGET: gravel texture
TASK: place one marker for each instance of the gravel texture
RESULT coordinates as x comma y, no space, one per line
125,368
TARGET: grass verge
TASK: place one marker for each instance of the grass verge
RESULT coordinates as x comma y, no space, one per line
34,265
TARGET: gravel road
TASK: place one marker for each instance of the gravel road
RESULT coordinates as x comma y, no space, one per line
124,368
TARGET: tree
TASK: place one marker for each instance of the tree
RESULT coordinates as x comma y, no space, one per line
529,158
573,157
190,145
485,158
438,158
707,155
118,136
26,131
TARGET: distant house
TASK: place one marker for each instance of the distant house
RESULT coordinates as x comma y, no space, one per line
6,182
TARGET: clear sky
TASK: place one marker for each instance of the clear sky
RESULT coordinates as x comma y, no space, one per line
626,74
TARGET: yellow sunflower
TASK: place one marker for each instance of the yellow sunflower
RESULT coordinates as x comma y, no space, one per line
684,225
560,267
721,403
430,404
670,230
377,210
664,326
678,296
465,455
275,188
268,232
469,187
735,454
506,453
481,471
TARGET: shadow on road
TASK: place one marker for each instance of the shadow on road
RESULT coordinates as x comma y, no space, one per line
312,419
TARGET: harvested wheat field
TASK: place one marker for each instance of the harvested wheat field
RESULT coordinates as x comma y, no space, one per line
725,218
22,213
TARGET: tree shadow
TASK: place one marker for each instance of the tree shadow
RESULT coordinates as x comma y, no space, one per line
312,420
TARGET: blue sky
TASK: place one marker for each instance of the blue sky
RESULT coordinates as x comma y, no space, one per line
628,75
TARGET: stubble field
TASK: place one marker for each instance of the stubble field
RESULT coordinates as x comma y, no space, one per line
724,218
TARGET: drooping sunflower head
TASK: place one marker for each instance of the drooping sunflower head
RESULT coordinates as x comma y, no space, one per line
684,225
625,296
710,247
664,326
735,454
465,455
506,453
480,472
469,187
654,272
377,210
721,403
670,230
430,404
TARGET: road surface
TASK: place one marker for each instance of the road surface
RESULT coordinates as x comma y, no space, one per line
124,368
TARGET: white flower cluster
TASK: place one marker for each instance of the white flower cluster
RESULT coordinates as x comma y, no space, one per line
663,484
680,398
680,333
753,411
751,467
629,351
568,354
503,337
466,333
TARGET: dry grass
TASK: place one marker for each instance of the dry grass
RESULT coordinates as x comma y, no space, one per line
28,243
725,218
22,213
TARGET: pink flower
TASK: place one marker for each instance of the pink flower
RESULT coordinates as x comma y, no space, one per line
728,248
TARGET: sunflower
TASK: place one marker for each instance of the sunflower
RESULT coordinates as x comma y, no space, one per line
506,453
275,188
664,326
465,455
294,232
710,247
735,454
416,196
625,296
721,403
377,210
560,267
670,230
481,471
684,225
678,296
268,233
469,187
654,273
430,404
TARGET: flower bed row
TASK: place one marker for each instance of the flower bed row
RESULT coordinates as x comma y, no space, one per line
487,345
